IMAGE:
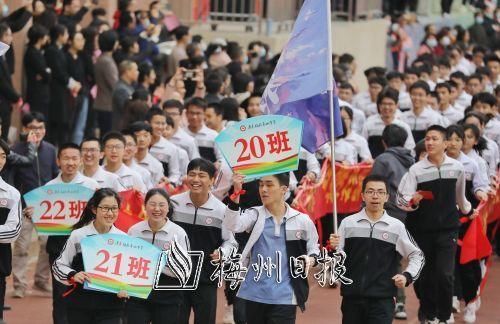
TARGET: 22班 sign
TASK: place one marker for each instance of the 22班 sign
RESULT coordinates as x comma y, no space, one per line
117,262
57,207
262,145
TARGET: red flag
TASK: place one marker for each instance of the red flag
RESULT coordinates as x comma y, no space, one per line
131,210
475,244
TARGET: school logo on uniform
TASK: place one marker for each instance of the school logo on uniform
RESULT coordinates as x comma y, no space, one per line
208,221
385,236
3,202
298,235
161,157
166,245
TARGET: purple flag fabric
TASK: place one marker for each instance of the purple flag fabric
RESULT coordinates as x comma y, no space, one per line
302,84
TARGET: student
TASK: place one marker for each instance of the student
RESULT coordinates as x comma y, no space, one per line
252,105
129,159
374,244
201,215
387,105
420,117
68,160
445,108
463,99
214,116
491,153
356,140
368,103
173,109
474,146
114,149
143,133
91,154
346,94
26,178
162,149
467,276
433,221
203,136
486,103
275,227
395,81
10,225
161,306
84,305
182,154
474,84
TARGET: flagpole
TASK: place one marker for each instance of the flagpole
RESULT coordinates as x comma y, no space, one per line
332,123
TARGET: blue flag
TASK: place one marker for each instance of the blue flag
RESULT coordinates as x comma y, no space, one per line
302,84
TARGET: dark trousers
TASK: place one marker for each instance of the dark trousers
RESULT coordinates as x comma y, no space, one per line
59,314
259,313
434,288
446,6
144,312
104,121
2,295
86,316
5,111
363,310
239,314
203,301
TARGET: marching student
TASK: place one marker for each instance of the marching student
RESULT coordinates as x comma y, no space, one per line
143,134
162,306
353,138
278,232
182,154
467,276
68,160
445,108
203,136
420,117
474,145
173,109
129,159
161,148
387,106
10,224
486,103
430,192
201,215
114,149
346,93
90,149
89,306
374,243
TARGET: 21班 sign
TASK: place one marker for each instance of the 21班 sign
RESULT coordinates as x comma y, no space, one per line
262,145
57,207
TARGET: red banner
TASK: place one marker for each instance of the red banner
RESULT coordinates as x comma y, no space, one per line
315,199
131,209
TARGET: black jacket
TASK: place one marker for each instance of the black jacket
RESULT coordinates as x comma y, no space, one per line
37,79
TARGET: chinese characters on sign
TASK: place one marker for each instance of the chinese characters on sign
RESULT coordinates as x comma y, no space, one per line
57,207
262,145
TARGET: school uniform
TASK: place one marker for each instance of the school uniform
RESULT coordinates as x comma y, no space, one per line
363,102
130,179
268,300
434,224
492,156
206,232
143,172
154,167
483,166
85,306
404,101
361,145
379,247
161,306
492,130
420,123
374,127
166,152
205,141
55,245
451,114
10,228
463,101
358,120
107,179
186,142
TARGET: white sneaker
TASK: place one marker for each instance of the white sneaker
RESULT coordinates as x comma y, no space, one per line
451,320
434,321
228,315
470,313
456,305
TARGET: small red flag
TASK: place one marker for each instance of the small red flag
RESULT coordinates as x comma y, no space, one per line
475,244
131,210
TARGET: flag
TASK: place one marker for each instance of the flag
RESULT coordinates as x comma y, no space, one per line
131,209
302,84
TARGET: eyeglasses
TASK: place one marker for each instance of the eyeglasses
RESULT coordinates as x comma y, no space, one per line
161,205
379,193
114,147
107,209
